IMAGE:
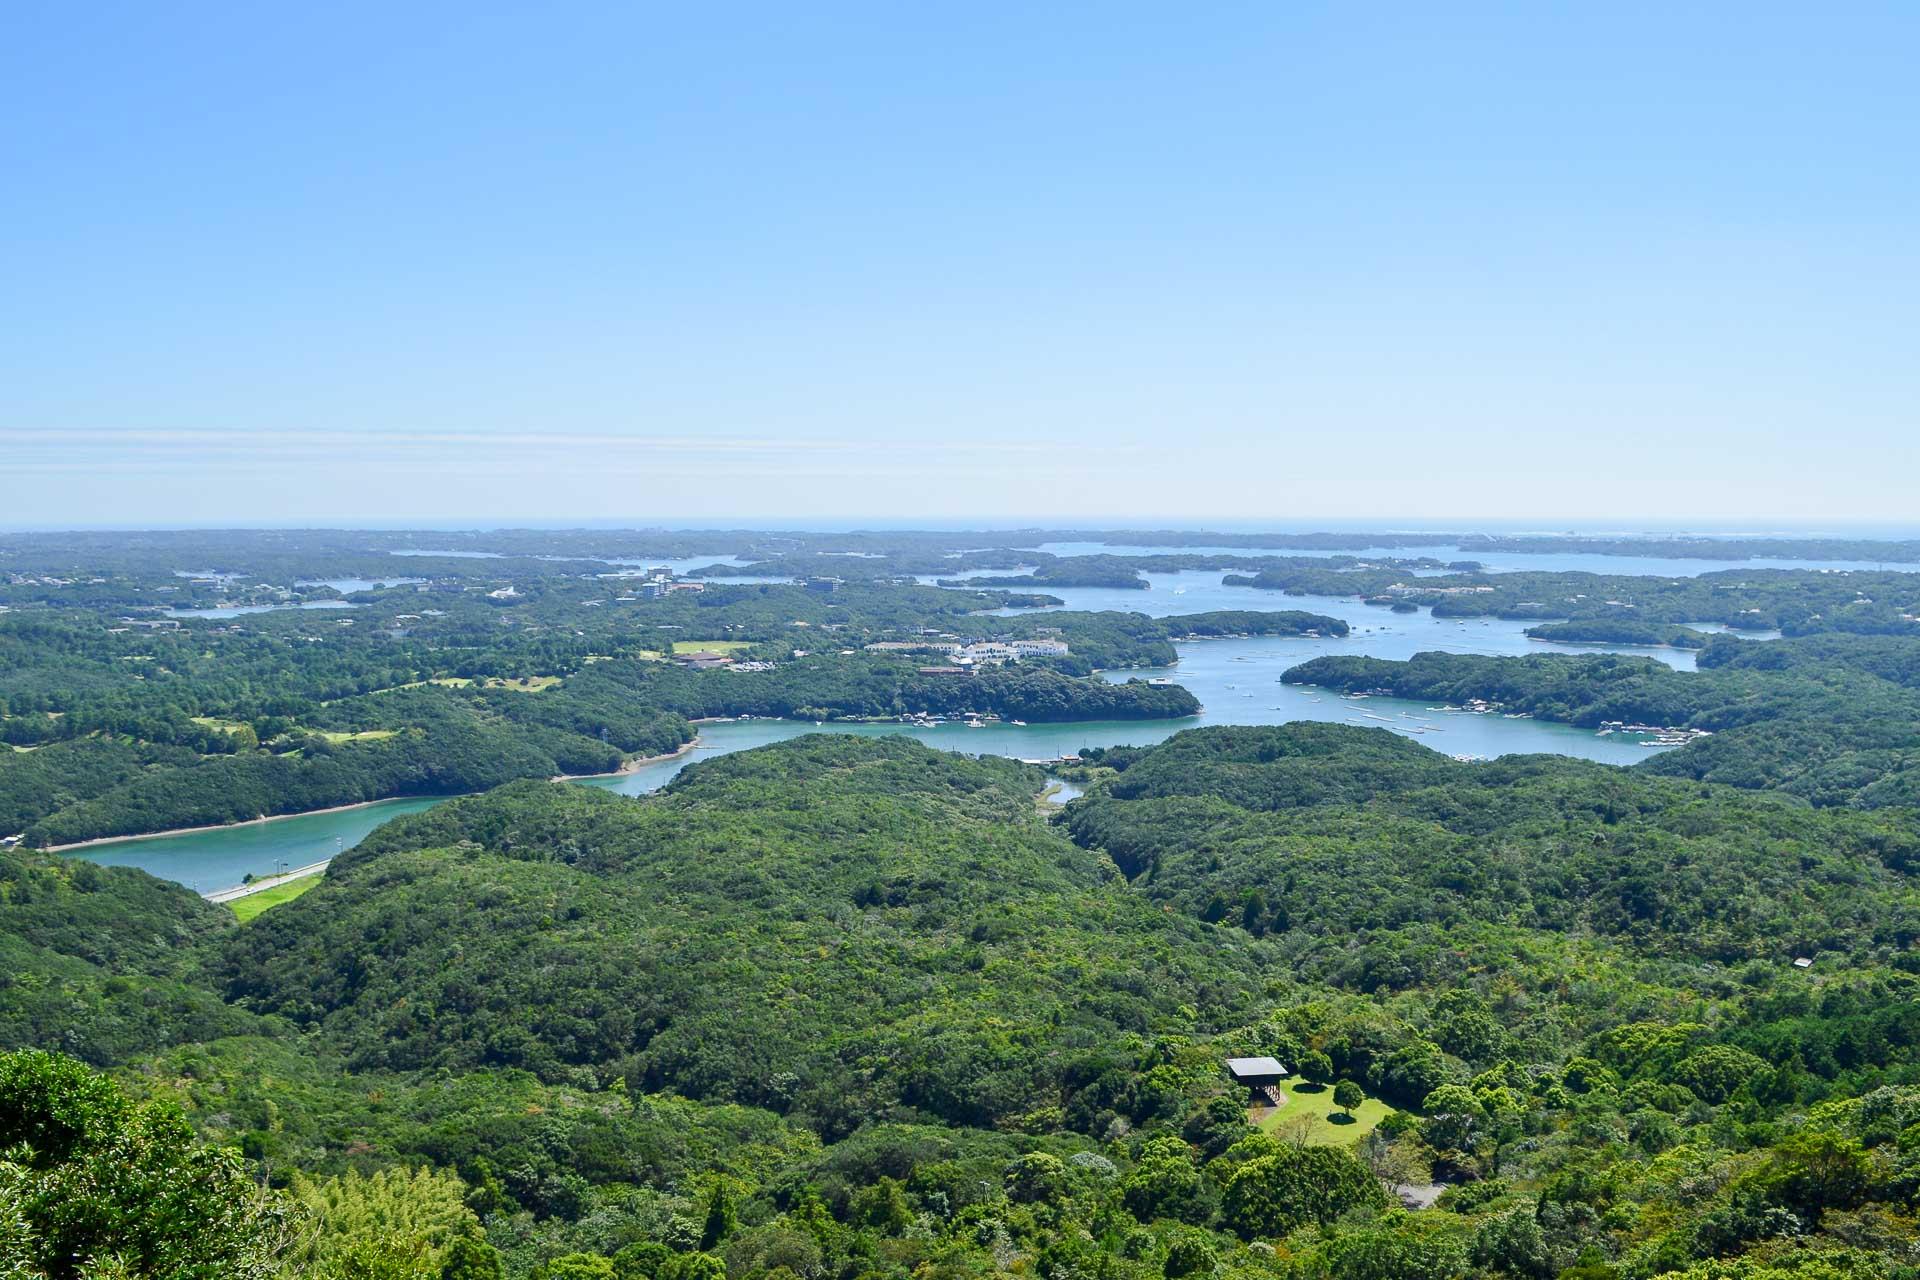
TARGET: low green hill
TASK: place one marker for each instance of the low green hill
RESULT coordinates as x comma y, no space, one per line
851,929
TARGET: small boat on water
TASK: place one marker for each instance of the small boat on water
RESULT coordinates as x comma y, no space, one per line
1021,723
976,723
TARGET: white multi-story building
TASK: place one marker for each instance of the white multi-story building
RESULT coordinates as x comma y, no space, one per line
976,651
994,651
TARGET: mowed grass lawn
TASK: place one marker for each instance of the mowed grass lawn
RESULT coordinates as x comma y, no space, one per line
1309,1114
525,684
710,646
254,903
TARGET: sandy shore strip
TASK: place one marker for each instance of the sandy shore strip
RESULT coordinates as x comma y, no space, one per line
635,765
228,826
631,766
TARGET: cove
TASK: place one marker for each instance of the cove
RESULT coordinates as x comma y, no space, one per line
1236,680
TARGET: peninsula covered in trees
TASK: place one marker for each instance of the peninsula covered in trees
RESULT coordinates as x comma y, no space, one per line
1832,719
137,698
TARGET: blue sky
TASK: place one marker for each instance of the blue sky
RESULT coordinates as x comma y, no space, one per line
1257,262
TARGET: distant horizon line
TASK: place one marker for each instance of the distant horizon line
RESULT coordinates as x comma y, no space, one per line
1875,528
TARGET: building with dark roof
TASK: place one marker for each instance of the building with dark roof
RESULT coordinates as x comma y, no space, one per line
1256,1073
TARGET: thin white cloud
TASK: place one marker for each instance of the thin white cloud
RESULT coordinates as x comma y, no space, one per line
292,440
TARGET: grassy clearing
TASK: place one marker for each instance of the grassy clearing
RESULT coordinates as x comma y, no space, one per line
365,735
1309,1116
525,684
710,646
254,903
214,722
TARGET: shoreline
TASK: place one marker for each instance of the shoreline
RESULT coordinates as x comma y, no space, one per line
228,826
1618,646
631,766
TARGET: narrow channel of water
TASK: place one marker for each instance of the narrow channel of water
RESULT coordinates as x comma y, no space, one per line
1494,561
1236,680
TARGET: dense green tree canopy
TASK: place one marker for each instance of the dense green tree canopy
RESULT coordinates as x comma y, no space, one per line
851,1009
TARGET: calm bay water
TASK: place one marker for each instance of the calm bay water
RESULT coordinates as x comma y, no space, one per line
208,860
235,610
347,586
1376,631
1495,561
1236,680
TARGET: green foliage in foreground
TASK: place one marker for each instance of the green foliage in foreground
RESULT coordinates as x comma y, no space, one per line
98,961
903,891
94,1186
849,1009
396,1223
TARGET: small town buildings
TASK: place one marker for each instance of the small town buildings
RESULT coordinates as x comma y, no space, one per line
658,590
976,652
994,652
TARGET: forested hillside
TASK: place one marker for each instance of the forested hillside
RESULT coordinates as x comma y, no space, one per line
1796,601
1833,720
119,729
102,963
843,1007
